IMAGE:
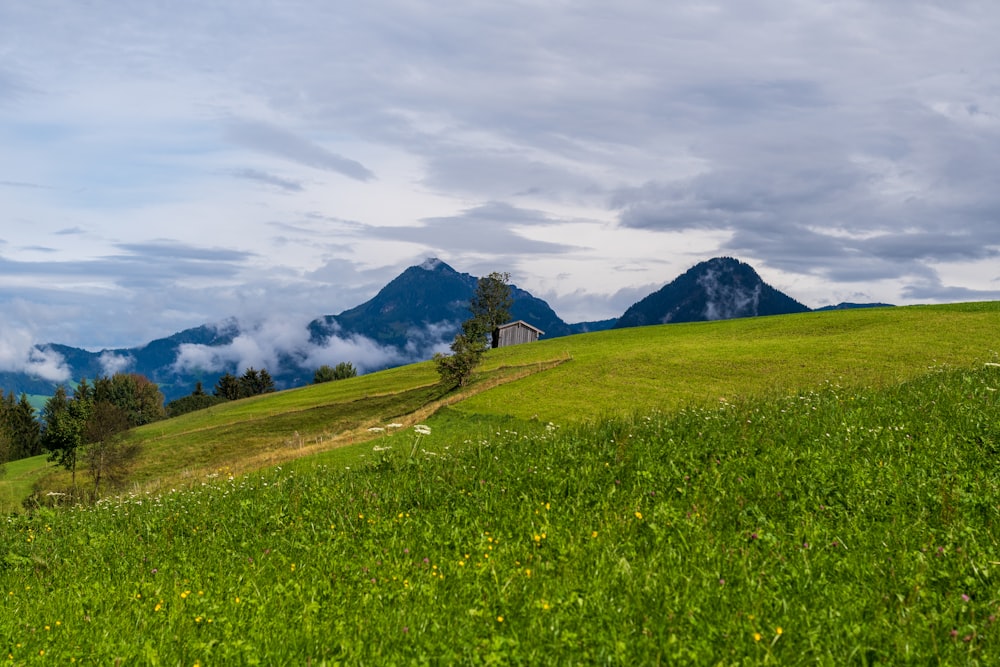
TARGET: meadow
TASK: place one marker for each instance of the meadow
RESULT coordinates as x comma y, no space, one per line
826,518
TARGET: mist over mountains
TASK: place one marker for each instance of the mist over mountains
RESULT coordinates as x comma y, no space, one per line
415,315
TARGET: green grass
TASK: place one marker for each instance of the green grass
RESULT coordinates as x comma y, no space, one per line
669,366
663,495
18,479
861,522
598,375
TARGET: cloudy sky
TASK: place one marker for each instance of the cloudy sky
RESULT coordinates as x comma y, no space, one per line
166,164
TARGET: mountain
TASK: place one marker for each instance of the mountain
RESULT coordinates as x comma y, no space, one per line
718,289
430,301
414,315
846,305
417,313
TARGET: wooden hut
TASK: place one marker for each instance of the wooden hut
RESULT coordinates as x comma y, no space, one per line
515,333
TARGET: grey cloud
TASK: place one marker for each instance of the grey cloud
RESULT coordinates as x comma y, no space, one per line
139,265
24,185
170,250
282,143
503,174
268,179
933,291
936,246
484,229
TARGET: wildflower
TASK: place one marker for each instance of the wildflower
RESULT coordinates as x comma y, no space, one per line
499,619
778,631
594,534
638,515
756,636
965,598
422,429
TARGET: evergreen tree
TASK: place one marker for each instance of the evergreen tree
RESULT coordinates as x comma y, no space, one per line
254,382
25,431
227,387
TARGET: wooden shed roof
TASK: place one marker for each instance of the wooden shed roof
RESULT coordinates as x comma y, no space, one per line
521,323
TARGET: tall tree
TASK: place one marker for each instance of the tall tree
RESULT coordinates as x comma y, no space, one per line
107,453
491,303
254,382
490,307
25,431
227,387
64,421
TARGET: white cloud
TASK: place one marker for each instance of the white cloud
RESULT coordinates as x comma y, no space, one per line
18,354
279,344
112,363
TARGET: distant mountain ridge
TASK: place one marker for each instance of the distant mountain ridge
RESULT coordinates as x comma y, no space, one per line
414,315
719,289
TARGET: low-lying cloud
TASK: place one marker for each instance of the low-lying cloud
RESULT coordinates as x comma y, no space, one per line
286,346
18,354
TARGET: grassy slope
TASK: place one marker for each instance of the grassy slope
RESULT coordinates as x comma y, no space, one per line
18,479
664,367
833,527
614,372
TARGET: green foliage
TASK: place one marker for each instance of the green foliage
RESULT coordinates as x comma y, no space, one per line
106,455
836,526
138,397
64,421
490,307
20,432
341,371
227,387
254,382
192,402
456,368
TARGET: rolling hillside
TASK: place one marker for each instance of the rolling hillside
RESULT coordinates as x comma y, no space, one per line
576,379
805,489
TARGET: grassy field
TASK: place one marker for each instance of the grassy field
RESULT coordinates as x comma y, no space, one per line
666,367
813,489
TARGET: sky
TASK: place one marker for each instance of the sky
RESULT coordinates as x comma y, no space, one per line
165,164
